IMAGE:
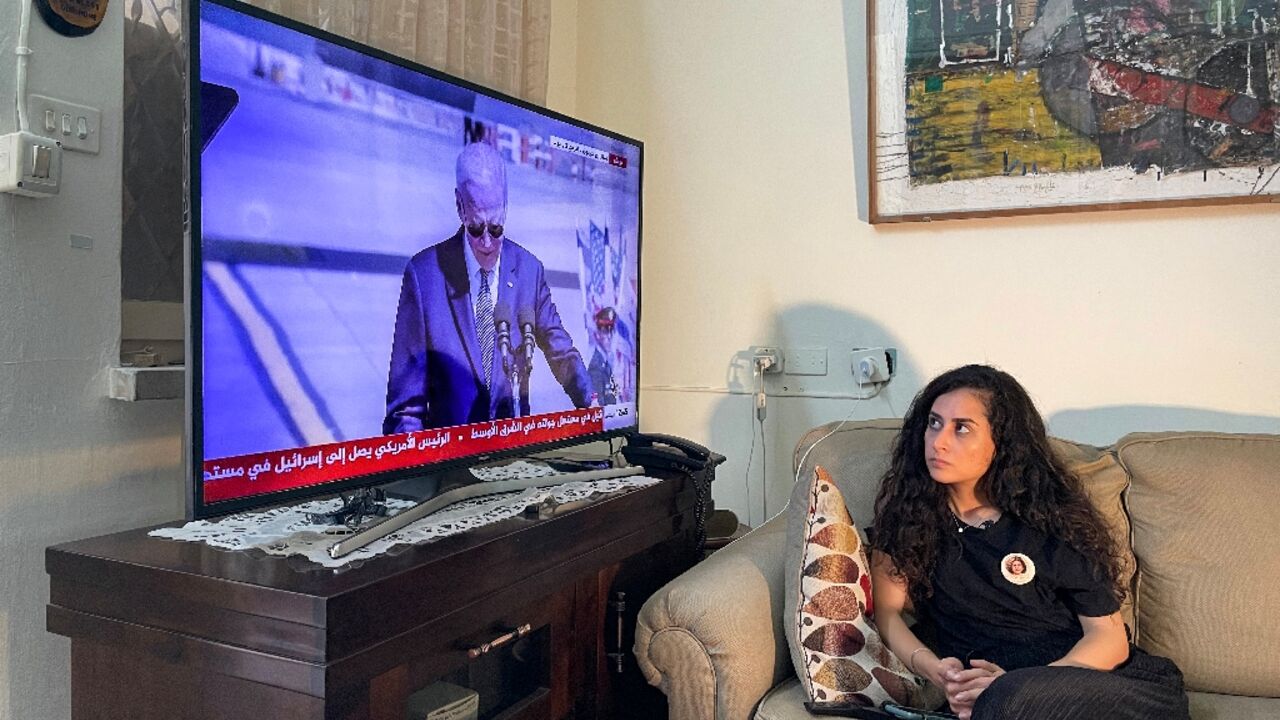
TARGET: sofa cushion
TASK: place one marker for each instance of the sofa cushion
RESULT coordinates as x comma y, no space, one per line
784,702
855,453
1209,706
1105,483
837,651
1204,508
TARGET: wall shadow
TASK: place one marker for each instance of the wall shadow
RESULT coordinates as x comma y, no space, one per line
114,467
1104,425
756,481
796,403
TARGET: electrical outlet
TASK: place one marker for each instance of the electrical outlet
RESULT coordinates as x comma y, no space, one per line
77,127
30,165
807,361
768,358
874,365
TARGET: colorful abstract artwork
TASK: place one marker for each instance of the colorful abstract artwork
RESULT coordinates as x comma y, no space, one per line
984,106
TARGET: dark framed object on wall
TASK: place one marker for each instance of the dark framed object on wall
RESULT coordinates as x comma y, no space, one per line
988,107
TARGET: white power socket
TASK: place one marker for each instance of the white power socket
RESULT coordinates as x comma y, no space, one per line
30,165
767,359
874,365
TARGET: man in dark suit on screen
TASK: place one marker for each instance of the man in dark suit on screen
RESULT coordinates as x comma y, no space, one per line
449,362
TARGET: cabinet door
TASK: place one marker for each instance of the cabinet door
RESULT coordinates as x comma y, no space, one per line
515,653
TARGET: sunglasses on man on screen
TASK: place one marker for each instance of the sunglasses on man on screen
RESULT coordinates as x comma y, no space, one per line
495,231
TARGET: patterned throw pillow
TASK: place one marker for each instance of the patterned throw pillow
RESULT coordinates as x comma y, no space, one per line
838,652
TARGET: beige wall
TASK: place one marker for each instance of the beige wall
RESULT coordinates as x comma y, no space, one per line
1116,321
562,57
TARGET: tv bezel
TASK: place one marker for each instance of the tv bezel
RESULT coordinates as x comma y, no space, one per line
193,448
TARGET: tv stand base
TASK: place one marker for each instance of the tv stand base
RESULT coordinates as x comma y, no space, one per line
466,492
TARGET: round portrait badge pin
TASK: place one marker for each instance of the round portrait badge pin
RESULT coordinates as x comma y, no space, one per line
1017,568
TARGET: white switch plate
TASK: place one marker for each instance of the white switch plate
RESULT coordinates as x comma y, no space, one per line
62,121
806,361
30,165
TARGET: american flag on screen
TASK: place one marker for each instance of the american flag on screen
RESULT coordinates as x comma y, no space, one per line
606,307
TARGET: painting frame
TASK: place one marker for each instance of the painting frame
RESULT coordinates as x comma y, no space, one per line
896,166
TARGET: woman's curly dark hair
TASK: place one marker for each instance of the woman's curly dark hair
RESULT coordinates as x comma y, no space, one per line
1026,479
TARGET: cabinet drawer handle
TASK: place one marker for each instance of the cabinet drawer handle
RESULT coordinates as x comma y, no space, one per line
483,648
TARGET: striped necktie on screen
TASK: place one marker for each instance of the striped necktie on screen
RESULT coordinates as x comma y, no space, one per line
484,324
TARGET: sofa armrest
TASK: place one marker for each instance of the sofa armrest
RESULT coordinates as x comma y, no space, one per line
712,639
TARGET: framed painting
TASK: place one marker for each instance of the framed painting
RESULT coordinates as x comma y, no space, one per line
1001,107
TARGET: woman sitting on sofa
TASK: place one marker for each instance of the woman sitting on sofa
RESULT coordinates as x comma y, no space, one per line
983,532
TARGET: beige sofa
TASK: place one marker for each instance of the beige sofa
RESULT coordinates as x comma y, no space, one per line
1199,511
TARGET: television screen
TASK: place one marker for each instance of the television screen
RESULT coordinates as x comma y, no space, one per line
392,270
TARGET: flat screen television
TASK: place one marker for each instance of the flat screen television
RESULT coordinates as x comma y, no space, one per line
392,271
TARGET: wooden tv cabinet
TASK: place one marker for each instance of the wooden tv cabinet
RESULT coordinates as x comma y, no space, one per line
164,629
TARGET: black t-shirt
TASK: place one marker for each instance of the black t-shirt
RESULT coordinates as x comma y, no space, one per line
1010,594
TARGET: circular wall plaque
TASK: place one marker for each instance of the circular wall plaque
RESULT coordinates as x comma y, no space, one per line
73,17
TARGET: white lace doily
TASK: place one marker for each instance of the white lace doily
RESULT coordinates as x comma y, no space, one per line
287,531
513,470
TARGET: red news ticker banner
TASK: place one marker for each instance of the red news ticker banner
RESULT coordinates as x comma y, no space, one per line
248,475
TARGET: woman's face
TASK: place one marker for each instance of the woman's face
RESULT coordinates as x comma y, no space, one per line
958,447
1016,567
